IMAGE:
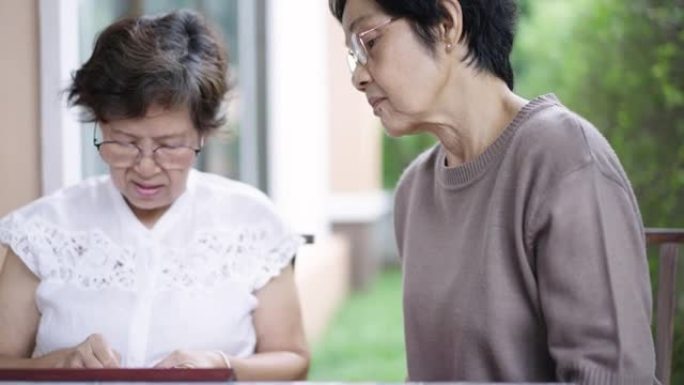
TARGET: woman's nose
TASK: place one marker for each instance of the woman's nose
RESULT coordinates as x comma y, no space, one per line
147,164
360,77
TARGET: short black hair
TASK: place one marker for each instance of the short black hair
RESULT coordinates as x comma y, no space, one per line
488,28
169,60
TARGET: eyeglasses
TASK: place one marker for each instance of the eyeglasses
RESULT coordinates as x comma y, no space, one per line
360,42
124,154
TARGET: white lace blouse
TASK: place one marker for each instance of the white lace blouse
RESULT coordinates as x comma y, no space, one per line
187,283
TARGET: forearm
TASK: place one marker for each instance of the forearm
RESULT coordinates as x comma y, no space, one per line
271,366
47,361
8,362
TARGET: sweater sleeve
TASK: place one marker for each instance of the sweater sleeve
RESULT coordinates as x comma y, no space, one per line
594,288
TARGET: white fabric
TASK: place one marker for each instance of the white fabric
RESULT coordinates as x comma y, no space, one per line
187,283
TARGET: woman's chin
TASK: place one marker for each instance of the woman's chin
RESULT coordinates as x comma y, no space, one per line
397,125
396,130
393,133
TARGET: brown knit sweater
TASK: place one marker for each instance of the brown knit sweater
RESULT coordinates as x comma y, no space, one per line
527,263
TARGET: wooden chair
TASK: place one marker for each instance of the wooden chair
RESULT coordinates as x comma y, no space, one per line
309,239
668,240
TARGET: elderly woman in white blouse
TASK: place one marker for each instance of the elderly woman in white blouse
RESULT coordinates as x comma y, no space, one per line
155,264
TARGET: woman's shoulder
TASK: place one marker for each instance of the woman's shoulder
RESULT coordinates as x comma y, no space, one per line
423,163
54,224
220,195
560,138
210,185
70,201
234,213
420,172
553,131
556,141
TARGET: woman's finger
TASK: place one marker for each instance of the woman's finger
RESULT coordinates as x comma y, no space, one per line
88,357
177,359
74,361
168,362
103,353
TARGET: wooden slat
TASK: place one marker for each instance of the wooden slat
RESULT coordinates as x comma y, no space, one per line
665,310
666,301
118,375
659,236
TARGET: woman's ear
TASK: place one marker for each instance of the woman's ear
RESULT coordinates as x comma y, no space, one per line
451,27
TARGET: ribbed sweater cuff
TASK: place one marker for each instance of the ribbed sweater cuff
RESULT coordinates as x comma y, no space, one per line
594,375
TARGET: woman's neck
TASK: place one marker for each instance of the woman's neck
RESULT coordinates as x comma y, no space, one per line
487,107
148,217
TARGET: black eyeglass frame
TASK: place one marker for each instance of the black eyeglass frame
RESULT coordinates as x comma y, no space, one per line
140,150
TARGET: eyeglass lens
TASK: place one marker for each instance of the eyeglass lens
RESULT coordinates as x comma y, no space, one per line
126,155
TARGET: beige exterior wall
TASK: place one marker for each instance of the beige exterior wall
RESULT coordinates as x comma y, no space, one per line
322,275
19,104
355,137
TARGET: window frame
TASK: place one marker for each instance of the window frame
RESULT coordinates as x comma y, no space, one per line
59,127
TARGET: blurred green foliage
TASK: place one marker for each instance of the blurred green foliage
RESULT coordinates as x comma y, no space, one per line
397,153
366,340
620,64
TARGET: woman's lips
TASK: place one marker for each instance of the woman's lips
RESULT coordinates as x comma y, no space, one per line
146,190
375,102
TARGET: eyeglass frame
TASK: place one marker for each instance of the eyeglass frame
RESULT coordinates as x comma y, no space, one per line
141,152
358,53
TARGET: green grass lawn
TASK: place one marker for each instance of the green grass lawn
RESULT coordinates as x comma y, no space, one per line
365,341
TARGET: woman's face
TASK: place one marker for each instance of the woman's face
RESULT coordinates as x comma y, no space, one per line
152,181
403,81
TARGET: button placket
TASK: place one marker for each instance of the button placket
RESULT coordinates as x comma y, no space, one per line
147,274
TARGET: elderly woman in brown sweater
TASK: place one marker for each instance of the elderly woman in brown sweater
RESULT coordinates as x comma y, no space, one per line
520,237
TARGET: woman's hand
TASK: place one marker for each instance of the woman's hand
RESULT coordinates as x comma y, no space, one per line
193,359
93,353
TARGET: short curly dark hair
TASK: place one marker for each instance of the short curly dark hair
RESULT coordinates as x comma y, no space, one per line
488,28
171,60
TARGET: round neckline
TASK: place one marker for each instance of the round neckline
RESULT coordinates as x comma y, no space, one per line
470,171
